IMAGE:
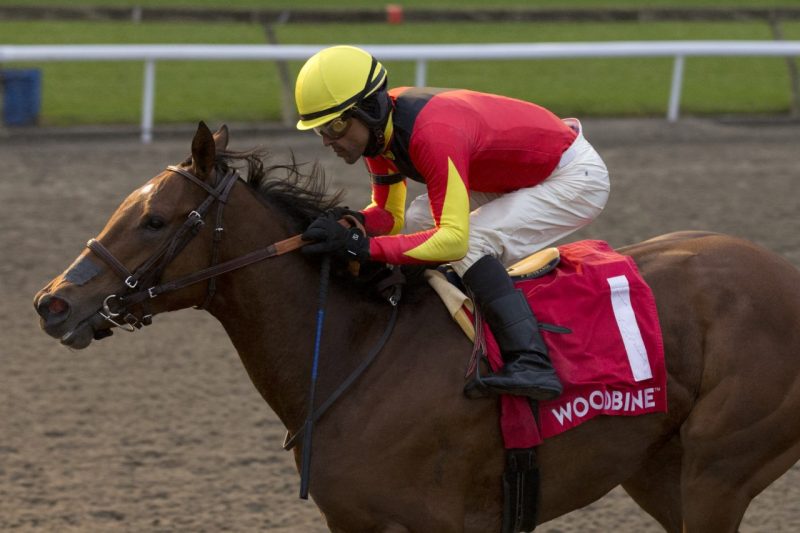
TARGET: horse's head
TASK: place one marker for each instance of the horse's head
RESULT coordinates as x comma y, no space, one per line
107,284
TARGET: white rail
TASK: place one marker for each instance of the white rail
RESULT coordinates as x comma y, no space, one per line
421,54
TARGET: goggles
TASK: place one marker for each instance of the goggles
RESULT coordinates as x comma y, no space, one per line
335,129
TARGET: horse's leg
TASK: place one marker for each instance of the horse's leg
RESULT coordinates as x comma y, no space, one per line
721,476
712,500
742,432
741,435
656,488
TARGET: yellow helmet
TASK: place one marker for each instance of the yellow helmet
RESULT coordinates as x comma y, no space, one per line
334,80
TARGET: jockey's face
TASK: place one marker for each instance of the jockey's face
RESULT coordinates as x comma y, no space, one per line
351,145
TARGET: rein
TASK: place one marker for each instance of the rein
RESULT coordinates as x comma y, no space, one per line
273,250
305,470
290,441
149,273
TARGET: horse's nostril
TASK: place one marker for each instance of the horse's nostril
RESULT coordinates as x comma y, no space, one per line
57,306
52,307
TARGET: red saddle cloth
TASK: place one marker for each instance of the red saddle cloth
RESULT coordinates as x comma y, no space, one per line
612,363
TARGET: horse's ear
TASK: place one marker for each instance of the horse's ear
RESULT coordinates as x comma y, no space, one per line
203,151
221,138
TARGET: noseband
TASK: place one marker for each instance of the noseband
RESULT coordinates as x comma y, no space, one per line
144,283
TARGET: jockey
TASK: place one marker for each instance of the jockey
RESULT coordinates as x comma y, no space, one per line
504,179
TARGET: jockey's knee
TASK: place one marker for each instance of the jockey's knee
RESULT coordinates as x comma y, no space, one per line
478,248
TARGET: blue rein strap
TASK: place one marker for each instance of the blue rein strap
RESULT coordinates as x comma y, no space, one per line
305,470
392,295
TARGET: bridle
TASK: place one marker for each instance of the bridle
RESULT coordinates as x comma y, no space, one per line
148,274
144,283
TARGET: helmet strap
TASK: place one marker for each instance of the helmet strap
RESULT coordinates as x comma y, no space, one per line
377,141
376,124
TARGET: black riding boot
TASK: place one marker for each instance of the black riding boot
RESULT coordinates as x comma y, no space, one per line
527,370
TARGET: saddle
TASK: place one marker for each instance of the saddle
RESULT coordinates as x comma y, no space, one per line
611,363
460,306
600,322
521,475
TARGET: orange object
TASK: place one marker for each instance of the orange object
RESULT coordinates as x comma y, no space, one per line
394,13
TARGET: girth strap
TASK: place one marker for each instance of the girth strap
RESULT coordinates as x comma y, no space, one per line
520,491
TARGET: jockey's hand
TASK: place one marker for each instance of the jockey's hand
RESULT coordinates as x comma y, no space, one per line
340,211
331,237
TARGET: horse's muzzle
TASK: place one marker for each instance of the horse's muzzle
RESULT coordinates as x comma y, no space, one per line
53,310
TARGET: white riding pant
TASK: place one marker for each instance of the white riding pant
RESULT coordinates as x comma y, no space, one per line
511,226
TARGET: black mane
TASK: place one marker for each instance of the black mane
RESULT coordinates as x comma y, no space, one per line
303,196
299,193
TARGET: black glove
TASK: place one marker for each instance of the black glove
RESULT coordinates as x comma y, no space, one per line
332,237
340,211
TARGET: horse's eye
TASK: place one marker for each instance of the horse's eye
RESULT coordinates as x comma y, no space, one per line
154,223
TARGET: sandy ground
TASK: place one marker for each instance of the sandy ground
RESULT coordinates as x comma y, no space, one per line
163,431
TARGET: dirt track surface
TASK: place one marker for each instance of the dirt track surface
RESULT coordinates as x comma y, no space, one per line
163,431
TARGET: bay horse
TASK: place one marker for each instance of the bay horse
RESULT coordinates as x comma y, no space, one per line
403,450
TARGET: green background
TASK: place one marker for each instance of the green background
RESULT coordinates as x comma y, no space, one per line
250,91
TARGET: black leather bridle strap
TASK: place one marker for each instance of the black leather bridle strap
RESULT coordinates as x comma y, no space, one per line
170,248
97,247
150,271
215,241
192,223
279,248
197,181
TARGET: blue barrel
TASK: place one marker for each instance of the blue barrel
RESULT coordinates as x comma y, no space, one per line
22,96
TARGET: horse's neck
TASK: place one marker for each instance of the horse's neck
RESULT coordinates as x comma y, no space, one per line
272,322
269,312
